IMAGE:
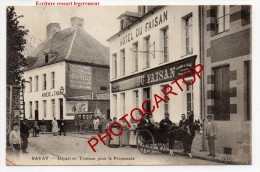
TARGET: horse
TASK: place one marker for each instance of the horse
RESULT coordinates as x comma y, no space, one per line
185,136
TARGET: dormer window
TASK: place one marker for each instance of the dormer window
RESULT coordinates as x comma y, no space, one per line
46,58
122,24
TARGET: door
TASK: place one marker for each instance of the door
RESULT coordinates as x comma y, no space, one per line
36,115
108,113
61,108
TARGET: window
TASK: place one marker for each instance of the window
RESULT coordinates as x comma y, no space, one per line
103,88
114,65
36,105
115,107
165,44
247,90
44,83
30,108
188,34
30,88
122,24
123,103
136,104
53,107
221,95
44,108
190,99
246,14
46,56
135,57
223,12
53,80
166,104
147,54
123,62
36,83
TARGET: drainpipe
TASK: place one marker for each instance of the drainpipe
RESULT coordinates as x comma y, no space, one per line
202,100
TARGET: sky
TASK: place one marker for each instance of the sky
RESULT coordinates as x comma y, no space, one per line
99,21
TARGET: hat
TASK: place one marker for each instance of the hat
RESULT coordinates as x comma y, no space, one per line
14,124
209,116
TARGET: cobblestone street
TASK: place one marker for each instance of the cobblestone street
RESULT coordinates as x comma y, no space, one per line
74,149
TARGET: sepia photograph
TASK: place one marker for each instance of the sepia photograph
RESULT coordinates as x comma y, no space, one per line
167,85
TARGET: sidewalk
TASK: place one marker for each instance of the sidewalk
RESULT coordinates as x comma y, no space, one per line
196,153
221,158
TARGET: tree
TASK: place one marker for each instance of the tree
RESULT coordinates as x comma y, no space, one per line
15,46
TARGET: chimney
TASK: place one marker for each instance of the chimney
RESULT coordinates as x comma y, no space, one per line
52,29
77,22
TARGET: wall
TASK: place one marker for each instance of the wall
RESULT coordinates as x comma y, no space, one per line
231,47
59,69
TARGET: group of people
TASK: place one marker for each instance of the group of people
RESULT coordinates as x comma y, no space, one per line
128,137
58,128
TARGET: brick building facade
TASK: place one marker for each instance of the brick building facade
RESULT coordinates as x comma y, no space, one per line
226,55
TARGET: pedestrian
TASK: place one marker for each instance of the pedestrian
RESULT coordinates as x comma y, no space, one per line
35,129
62,127
96,124
114,142
54,127
15,140
107,128
211,135
42,126
132,139
24,130
125,136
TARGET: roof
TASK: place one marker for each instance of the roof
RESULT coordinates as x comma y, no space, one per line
134,23
72,45
129,13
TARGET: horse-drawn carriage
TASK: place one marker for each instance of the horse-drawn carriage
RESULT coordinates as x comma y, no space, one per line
149,137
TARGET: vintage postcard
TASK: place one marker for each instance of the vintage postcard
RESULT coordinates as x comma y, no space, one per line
89,84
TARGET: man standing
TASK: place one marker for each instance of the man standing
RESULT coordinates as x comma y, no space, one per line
62,127
24,130
211,135
183,122
96,124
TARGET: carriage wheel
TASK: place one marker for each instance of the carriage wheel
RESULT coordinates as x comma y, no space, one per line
145,141
163,146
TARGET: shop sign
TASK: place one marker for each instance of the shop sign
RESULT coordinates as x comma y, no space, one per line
51,93
77,106
160,74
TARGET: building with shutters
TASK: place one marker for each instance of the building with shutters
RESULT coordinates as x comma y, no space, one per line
227,55
154,46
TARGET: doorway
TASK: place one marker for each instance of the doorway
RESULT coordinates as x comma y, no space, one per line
147,96
61,108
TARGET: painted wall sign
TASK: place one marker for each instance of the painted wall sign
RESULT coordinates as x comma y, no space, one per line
154,22
51,93
160,74
80,77
77,106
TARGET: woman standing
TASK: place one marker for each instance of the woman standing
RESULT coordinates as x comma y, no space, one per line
132,140
54,127
107,128
115,129
124,138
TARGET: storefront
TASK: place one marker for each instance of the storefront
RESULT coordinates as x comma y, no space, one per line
149,54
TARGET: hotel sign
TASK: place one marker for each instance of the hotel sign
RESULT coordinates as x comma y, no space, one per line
160,74
80,77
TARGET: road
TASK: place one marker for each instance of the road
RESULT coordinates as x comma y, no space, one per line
74,150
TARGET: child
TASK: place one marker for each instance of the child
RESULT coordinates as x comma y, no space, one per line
15,138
